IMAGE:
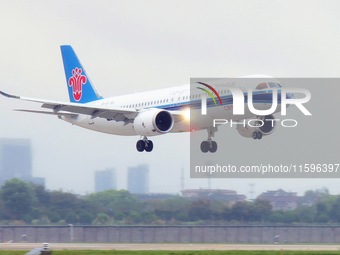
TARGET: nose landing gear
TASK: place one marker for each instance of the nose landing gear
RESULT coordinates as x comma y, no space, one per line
257,135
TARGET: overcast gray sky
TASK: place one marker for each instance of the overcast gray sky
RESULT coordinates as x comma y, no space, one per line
130,46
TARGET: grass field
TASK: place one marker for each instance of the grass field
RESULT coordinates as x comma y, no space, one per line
91,252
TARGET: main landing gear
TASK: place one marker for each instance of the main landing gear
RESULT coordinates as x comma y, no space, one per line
209,144
144,145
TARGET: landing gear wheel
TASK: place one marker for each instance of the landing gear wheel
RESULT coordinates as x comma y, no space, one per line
148,146
140,145
254,135
205,146
213,147
257,135
209,144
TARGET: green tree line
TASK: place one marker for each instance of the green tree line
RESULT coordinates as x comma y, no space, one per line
25,203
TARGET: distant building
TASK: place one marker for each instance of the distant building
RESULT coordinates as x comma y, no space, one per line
105,180
229,196
138,179
16,161
280,199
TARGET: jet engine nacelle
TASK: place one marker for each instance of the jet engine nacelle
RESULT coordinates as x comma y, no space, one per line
266,125
153,122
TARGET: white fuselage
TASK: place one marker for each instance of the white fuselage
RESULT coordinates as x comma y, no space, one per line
177,100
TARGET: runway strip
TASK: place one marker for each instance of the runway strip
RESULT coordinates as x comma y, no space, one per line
172,247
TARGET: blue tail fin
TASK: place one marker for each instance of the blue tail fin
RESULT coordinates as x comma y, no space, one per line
80,87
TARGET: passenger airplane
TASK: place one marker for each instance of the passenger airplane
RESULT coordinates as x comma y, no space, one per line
149,113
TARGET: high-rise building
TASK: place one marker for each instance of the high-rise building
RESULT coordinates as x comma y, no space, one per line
16,161
105,180
138,179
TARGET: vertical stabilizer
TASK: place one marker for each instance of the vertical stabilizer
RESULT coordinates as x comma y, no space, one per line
79,85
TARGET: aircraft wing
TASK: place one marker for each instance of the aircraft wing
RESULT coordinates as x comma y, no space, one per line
59,108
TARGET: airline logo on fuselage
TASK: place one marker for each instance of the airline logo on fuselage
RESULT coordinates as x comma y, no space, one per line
211,94
76,82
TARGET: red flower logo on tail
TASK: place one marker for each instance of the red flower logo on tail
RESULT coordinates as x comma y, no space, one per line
76,82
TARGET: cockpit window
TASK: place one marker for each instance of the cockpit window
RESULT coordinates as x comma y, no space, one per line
274,85
266,85
262,85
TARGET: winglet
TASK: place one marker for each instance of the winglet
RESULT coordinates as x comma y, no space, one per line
9,95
